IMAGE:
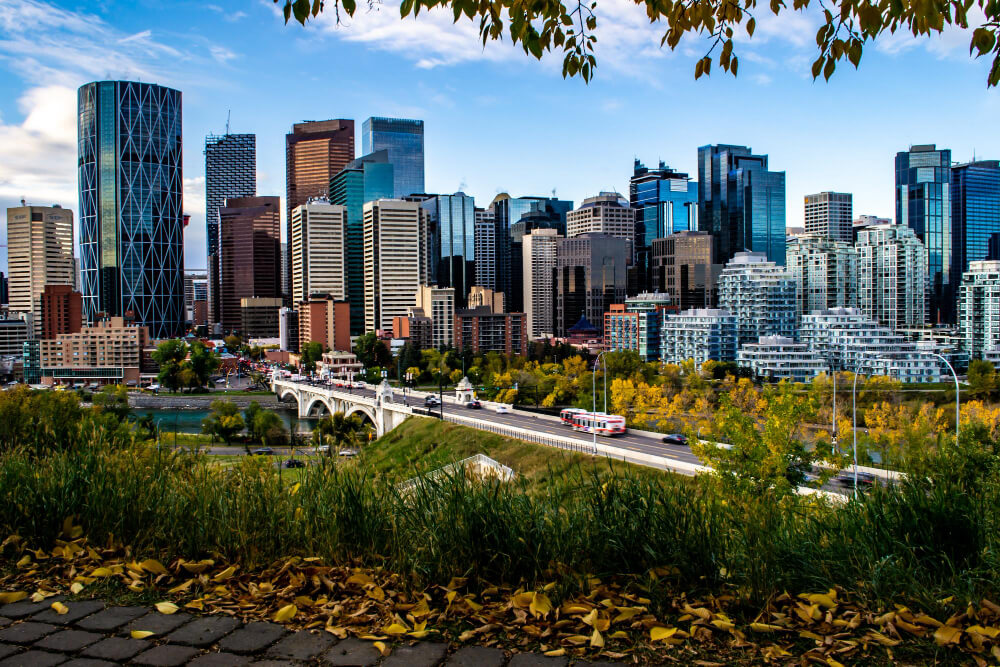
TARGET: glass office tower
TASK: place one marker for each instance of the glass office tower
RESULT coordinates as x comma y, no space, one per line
507,212
131,197
666,202
365,179
453,218
975,210
404,141
741,203
923,203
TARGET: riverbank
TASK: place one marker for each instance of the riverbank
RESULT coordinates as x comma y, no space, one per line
148,401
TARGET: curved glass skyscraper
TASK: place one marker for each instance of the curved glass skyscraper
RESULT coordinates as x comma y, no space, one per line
131,193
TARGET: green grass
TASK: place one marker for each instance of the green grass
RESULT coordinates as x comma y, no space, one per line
422,445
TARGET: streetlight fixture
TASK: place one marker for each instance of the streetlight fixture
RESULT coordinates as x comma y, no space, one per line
854,413
954,375
593,394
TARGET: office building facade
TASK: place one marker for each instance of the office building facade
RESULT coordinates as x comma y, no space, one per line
249,254
538,252
438,303
923,203
825,271
259,317
315,152
975,210
109,352
590,275
760,295
607,213
319,252
395,259
61,311
324,320
830,215
364,180
230,172
484,247
741,202
453,249
481,330
39,253
131,204
892,276
682,266
403,139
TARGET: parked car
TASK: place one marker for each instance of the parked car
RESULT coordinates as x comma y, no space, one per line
675,439
502,409
473,404
263,451
295,463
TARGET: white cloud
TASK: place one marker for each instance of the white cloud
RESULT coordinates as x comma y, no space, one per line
953,41
38,156
221,54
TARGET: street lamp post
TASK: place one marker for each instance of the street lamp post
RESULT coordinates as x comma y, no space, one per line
954,375
594,395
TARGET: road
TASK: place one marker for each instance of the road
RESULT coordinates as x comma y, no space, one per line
631,441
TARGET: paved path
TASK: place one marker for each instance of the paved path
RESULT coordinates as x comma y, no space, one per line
91,634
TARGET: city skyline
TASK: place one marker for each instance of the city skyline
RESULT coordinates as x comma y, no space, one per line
217,69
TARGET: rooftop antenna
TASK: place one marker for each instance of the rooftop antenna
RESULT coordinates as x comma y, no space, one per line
229,113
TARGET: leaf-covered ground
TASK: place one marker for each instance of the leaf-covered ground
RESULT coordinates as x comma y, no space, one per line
610,618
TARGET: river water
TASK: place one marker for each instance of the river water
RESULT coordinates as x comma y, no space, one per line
189,421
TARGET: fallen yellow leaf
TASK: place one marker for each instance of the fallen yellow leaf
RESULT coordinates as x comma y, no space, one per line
76,588
555,653
947,635
540,605
142,634
381,648
659,634
225,574
166,607
12,596
101,572
395,629
596,640
153,566
765,627
60,608
286,613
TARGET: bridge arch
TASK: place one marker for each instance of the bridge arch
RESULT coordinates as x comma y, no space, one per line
316,406
364,410
284,394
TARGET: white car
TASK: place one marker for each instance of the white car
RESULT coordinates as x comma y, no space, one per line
502,409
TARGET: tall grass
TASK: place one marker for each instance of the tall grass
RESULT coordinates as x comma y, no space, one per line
925,539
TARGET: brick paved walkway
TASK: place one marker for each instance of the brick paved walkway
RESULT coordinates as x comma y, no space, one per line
90,634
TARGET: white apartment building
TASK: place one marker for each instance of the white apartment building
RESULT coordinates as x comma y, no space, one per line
825,271
699,334
39,253
979,308
438,303
892,276
484,248
781,358
829,215
395,259
539,252
849,340
319,252
607,213
761,295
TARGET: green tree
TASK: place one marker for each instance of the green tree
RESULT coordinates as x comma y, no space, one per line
112,400
410,356
203,362
312,353
334,431
270,429
233,343
170,355
224,422
846,27
371,351
250,413
982,379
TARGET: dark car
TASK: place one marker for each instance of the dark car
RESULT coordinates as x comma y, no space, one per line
263,451
475,405
295,463
675,439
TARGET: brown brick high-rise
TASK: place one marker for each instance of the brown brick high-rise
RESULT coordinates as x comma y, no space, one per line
315,152
249,254
62,311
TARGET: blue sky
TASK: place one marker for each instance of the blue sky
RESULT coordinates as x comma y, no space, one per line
496,120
